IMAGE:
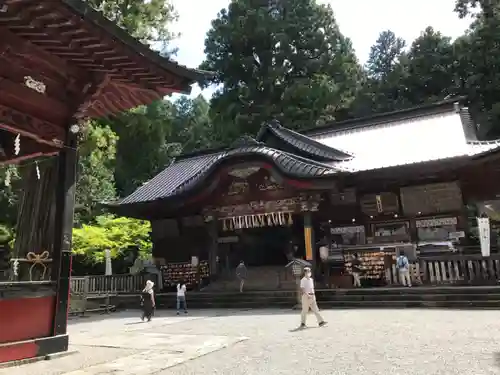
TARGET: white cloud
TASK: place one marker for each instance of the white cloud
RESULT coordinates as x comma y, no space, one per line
361,20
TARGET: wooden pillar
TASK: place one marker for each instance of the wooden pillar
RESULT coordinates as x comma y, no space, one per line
65,203
309,238
213,246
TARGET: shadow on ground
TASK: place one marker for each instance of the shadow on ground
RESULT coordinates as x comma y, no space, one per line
497,359
135,313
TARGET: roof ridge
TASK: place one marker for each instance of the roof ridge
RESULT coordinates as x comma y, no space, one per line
387,117
302,142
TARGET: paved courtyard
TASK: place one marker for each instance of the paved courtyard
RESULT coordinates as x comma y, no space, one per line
259,342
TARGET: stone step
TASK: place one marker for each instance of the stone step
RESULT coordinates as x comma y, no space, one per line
339,304
333,298
397,297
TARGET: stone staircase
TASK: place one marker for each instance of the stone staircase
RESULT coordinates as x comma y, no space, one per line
266,278
417,297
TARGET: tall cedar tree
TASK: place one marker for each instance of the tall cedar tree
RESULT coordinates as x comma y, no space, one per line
284,60
431,68
147,20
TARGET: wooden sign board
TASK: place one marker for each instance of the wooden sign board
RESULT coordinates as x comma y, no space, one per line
378,204
346,197
431,198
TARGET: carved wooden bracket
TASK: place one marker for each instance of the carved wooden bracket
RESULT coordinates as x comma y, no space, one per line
29,126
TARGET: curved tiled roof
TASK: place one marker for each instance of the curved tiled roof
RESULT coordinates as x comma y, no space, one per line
182,176
303,143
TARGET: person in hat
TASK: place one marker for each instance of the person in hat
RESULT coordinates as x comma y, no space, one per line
148,301
309,299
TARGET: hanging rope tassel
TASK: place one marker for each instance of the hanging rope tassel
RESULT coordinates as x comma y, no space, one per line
290,219
224,226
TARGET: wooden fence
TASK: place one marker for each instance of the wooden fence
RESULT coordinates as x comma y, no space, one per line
95,287
452,269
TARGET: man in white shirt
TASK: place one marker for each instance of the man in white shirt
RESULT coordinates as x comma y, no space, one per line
181,297
309,299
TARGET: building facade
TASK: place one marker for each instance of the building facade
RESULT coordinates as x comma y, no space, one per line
411,181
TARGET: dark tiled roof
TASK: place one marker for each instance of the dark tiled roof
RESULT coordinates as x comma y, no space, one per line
305,144
168,181
185,174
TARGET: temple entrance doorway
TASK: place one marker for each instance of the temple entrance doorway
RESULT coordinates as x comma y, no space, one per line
265,250
266,246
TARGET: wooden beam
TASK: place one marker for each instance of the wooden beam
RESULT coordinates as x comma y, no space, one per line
170,80
30,51
29,148
33,12
18,96
16,69
21,123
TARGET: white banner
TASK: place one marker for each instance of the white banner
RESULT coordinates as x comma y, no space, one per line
483,225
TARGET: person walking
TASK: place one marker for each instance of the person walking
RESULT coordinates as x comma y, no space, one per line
181,297
309,299
403,266
148,301
241,274
356,270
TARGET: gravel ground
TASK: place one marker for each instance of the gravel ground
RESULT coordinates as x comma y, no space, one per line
263,342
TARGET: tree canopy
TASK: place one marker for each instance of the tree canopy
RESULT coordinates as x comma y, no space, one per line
286,60
111,233
147,20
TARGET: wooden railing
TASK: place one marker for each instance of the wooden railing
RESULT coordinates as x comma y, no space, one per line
452,270
101,285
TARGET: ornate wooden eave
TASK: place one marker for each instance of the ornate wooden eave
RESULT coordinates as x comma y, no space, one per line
61,61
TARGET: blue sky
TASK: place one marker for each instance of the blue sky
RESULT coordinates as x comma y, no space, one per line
360,20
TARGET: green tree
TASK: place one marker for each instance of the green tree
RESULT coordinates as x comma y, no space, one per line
162,130
191,124
431,68
384,56
111,233
143,149
147,20
478,58
279,59
385,71
95,182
